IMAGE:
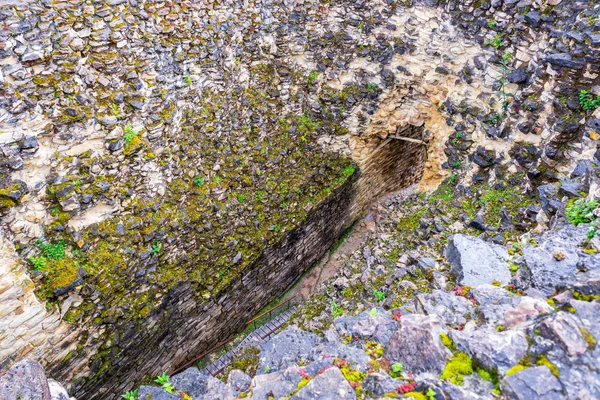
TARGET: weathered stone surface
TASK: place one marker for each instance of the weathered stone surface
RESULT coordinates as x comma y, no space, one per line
449,307
526,311
379,327
417,345
26,380
494,350
533,383
239,381
546,271
330,385
475,262
379,384
286,349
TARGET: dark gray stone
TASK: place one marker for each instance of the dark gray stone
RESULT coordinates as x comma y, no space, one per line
564,60
532,384
518,76
547,195
449,307
25,380
475,262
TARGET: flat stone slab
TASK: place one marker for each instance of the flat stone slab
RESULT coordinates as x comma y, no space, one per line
476,262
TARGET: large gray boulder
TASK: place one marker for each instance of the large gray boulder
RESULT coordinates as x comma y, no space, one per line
417,344
554,261
330,385
475,262
501,350
287,348
26,380
532,384
276,384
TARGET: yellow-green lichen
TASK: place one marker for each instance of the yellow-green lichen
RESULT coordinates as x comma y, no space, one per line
459,365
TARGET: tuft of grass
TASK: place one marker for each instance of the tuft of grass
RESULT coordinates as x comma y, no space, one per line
55,251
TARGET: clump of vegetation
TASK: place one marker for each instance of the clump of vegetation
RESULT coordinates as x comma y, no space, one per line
515,369
38,262
504,63
188,80
543,360
163,381
52,250
458,366
336,310
129,134
446,341
379,295
396,371
156,248
199,181
132,395
580,212
587,100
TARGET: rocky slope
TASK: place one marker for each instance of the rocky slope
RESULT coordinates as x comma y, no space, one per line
163,163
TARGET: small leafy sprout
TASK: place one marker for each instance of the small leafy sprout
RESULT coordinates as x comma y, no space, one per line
396,370
372,86
115,109
452,178
199,181
241,198
130,133
456,164
266,368
168,388
312,77
162,379
188,80
132,395
276,227
492,24
587,100
373,312
156,249
336,310
580,211
379,295
39,263
361,26
497,41
430,394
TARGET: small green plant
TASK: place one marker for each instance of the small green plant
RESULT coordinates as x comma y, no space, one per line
456,164
52,250
492,24
580,211
430,394
162,379
276,227
373,312
38,262
459,365
505,70
379,295
313,76
372,86
156,248
452,178
188,80
167,387
241,198
129,133
115,109
336,310
396,371
497,41
132,395
587,100
199,181
361,26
